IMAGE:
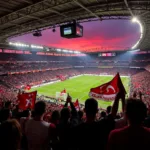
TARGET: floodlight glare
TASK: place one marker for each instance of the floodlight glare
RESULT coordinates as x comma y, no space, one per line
141,32
134,19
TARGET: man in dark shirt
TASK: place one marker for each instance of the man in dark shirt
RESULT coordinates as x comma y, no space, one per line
91,134
134,136
68,119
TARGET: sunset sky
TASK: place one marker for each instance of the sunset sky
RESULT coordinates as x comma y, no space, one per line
99,35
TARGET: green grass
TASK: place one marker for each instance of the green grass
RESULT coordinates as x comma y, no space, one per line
79,87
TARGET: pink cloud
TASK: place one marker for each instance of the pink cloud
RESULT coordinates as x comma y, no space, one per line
106,35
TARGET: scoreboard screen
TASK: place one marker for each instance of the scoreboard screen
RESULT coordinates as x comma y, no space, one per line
106,54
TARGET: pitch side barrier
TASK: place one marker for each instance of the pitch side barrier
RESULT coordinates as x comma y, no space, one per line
46,83
102,75
74,77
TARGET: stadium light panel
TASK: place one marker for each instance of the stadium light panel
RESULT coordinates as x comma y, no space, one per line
35,46
77,52
59,50
18,44
65,50
135,20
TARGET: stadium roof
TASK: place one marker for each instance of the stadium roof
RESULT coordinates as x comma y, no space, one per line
18,17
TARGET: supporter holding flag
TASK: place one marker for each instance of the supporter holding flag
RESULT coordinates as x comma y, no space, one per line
109,90
94,134
27,100
28,87
76,105
134,136
63,91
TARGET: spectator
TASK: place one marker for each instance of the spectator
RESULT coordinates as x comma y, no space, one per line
15,112
91,134
26,113
108,110
38,132
134,136
80,115
103,115
147,120
55,117
10,135
8,105
5,114
68,120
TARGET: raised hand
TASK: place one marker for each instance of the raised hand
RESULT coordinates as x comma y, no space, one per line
134,94
69,98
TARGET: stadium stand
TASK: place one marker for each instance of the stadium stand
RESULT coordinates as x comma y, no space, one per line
49,123
60,125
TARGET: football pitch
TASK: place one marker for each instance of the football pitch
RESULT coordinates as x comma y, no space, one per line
79,87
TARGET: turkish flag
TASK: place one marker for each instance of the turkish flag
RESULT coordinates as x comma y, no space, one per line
27,100
108,90
76,104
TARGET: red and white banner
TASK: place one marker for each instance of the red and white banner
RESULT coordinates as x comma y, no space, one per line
108,90
27,100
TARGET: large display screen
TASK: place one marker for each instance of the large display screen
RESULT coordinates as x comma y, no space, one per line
67,31
79,31
107,54
73,30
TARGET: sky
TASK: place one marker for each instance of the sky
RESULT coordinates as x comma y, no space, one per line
108,35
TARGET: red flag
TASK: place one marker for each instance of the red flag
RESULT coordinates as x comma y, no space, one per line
108,90
61,77
63,91
27,100
28,87
76,104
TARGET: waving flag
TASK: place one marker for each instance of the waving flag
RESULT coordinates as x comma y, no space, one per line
108,90
63,91
61,77
27,100
76,105
28,87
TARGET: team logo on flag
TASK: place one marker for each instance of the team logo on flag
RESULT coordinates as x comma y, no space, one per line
27,100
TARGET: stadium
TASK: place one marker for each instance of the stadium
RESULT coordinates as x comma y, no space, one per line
73,67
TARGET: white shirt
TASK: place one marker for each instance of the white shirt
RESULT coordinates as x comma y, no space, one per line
37,133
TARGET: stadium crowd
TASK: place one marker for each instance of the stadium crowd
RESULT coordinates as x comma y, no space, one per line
50,126
12,82
141,82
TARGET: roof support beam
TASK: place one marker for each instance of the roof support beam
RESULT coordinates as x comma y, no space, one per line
129,9
5,9
79,4
27,1
33,17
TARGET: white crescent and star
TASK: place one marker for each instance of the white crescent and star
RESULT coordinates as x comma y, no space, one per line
110,87
107,88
